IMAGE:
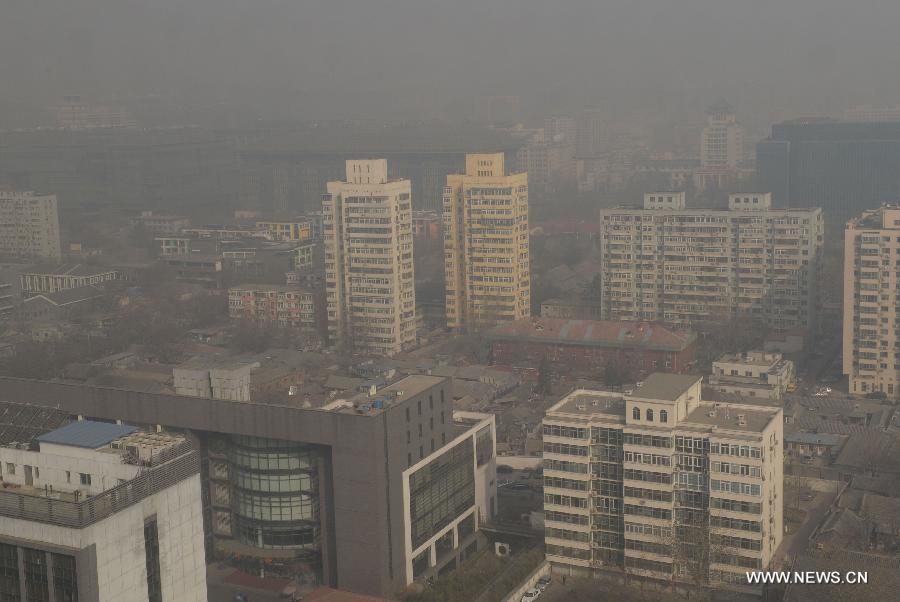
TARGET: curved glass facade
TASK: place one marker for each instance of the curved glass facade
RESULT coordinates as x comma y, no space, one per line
275,494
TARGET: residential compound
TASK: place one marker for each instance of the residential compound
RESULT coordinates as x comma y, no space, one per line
486,257
285,306
871,310
100,511
29,225
761,374
662,484
370,289
669,263
367,493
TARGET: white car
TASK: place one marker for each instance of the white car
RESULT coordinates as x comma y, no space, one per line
530,595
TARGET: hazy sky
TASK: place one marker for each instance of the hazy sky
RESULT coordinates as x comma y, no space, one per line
425,58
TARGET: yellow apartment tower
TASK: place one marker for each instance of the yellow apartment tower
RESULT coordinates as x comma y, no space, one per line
486,257
370,287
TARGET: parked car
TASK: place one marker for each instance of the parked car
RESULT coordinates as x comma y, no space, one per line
530,595
543,583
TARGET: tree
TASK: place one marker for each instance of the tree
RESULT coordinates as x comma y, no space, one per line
545,377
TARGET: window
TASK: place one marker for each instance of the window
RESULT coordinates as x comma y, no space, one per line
419,403
636,413
85,478
407,414
151,552
663,416
650,415
10,468
68,476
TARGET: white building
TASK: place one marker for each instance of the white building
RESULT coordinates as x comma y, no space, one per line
99,511
370,287
29,225
722,140
762,374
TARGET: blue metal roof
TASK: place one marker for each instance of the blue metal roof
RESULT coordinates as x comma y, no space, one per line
87,433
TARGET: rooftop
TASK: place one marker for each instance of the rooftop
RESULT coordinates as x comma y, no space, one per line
69,269
591,402
669,387
87,434
20,423
363,403
597,333
813,439
732,417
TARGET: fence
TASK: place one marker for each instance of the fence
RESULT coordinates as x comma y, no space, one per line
81,514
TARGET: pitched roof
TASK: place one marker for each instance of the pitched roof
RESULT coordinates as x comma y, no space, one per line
595,333
69,269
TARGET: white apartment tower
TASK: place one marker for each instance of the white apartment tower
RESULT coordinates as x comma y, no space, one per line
370,287
871,294
684,266
722,140
486,247
29,225
662,484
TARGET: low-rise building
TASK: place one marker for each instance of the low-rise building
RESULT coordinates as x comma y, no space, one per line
280,305
51,279
661,484
762,374
100,511
588,346
299,229
160,224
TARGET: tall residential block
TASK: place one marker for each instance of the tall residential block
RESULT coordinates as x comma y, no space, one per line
486,257
370,289
684,266
722,140
29,225
662,484
871,292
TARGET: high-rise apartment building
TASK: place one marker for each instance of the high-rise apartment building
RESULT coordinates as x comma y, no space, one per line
29,225
486,257
871,318
722,140
662,484
669,263
370,289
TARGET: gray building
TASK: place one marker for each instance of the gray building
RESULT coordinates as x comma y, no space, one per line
841,166
367,493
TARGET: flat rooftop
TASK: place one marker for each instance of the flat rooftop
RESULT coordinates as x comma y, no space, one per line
594,333
669,387
728,416
363,403
588,403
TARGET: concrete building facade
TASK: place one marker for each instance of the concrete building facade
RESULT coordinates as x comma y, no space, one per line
101,511
352,490
762,374
722,140
29,225
370,286
686,266
661,484
280,305
486,247
871,354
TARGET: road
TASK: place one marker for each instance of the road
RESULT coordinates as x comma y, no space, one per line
796,543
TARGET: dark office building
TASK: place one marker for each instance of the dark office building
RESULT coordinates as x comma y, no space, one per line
366,494
843,167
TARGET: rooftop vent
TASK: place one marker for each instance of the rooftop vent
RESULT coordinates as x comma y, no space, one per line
742,420
580,406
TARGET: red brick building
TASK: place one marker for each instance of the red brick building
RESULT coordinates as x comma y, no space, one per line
586,347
